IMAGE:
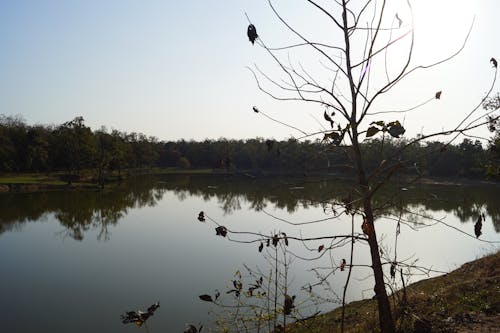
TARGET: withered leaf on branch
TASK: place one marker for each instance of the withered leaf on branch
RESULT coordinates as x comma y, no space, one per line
255,109
206,298
478,226
201,217
261,247
334,136
276,239
400,21
371,131
393,270
287,309
395,129
285,238
438,95
252,33
342,265
328,118
320,248
494,62
221,231
237,284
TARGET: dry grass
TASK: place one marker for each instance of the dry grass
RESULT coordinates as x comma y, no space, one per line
465,300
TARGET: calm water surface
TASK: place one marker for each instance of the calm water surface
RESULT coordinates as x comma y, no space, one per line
74,261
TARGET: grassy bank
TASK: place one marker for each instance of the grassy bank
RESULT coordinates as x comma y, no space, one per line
465,300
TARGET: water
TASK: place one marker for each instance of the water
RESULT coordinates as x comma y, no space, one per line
74,261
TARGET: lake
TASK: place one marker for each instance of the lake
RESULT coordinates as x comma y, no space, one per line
74,261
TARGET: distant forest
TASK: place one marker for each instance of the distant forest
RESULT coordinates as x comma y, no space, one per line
72,147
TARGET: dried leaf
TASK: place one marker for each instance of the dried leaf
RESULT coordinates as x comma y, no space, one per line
285,238
334,136
393,270
255,109
438,95
206,298
400,21
478,226
287,309
328,118
342,265
261,247
372,130
276,239
237,284
395,129
201,217
321,247
494,62
380,123
252,33
221,231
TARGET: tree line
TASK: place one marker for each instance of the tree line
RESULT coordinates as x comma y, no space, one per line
73,147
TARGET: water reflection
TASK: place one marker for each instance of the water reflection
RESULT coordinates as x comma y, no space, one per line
81,211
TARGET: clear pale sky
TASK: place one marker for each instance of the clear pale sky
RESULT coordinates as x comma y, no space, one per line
176,69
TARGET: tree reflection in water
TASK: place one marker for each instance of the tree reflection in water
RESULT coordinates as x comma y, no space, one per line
81,211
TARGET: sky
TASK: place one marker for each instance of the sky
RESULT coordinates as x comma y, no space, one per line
178,69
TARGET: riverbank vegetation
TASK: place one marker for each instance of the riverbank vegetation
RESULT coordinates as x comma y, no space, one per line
465,300
74,152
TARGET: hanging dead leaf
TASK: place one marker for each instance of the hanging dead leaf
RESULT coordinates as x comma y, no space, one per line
221,231
371,131
206,298
395,129
438,95
261,247
342,265
478,226
400,21
285,238
276,239
494,62
393,270
252,33
320,248
287,309
201,217
328,118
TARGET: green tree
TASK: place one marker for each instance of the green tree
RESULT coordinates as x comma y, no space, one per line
492,105
74,146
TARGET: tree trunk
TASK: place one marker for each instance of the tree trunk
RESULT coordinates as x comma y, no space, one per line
384,307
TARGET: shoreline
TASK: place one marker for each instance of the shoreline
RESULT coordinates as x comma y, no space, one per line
42,182
466,299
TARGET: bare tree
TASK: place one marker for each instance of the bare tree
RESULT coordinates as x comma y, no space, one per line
353,74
